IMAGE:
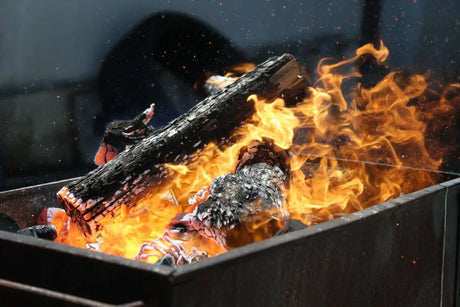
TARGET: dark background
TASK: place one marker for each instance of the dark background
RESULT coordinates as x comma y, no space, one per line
68,68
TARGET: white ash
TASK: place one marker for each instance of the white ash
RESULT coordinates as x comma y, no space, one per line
253,189
216,83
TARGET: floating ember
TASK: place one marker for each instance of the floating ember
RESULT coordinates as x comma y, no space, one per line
238,174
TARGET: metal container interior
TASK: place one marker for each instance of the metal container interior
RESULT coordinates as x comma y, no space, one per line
401,252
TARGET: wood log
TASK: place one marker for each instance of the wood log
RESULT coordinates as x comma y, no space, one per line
130,176
240,208
248,205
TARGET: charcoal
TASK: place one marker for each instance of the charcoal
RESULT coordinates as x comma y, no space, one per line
7,223
122,134
47,232
291,226
167,260
236,199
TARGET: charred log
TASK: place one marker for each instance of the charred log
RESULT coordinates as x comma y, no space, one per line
238,209
122,134
129,177
248,205
240,201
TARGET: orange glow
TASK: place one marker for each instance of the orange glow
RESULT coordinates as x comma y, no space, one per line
328,135
68,231
232,74
239,69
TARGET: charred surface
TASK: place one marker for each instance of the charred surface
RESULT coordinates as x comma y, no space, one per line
47,232
248,205
129,176
122,134
254,193
237,209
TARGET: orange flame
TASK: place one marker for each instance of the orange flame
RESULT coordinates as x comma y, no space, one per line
233,73
329,135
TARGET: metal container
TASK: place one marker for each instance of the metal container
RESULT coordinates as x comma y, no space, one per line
400,253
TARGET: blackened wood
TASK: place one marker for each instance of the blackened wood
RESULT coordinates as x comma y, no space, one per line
47,232
122,134
248,205
130,176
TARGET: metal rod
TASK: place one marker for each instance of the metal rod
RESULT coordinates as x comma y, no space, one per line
57,296
384,164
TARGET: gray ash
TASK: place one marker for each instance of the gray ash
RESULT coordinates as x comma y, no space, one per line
237,198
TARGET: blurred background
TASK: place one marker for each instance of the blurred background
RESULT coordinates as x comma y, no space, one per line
67,68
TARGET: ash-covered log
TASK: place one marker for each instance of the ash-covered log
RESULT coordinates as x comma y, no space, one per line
132,174
248,205
240,208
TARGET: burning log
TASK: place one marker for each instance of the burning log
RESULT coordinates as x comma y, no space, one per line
246,206
129,177
237,209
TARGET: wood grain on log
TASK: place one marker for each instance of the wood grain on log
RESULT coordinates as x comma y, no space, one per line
129,177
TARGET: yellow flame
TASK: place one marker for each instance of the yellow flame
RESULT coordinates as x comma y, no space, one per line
328,136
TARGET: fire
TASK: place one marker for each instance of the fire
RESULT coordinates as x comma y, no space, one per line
375,125
215,82
348,151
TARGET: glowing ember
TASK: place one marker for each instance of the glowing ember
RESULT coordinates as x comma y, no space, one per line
328,136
